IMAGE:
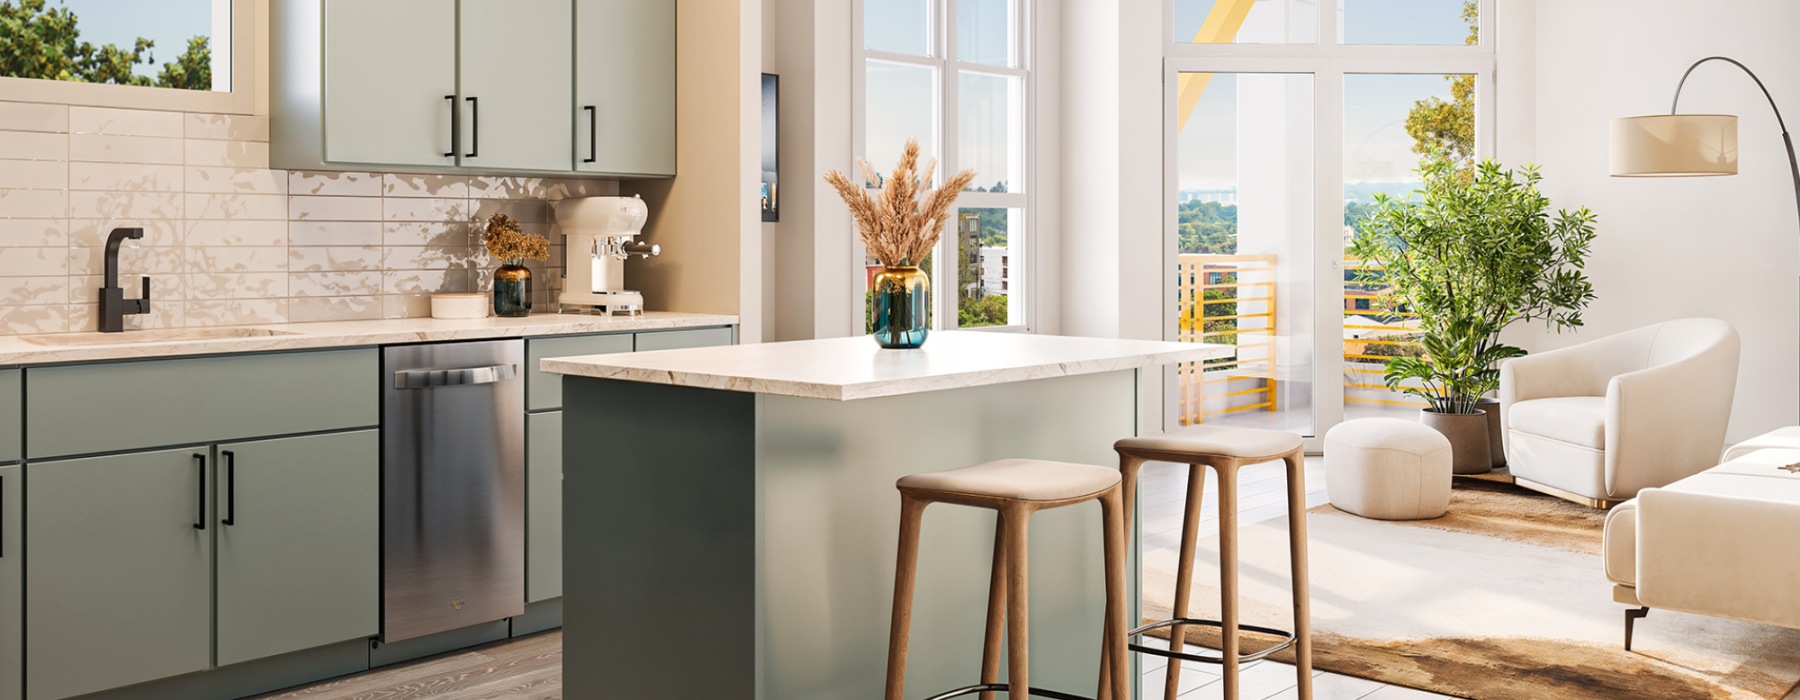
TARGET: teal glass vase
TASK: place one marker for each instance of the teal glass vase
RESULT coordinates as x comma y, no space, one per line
512,291
902,306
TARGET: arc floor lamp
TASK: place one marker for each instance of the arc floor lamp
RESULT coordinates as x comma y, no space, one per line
1689,145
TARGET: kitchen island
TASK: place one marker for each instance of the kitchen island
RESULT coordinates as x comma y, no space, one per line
731,517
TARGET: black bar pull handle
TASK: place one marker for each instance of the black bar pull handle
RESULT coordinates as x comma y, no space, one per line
230,487
200,517
593,134
452,152
474,128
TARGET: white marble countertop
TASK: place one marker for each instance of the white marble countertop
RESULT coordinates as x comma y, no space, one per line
83,347
843,369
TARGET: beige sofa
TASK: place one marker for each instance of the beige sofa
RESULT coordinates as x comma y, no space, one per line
1666,548
1597,422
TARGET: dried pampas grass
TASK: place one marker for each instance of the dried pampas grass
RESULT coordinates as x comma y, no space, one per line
901,222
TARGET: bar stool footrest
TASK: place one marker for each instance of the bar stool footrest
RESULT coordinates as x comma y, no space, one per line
1286,641
1001,688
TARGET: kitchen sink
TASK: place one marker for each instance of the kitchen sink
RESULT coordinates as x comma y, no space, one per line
151,336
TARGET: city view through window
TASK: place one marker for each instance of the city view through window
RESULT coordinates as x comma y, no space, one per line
166,44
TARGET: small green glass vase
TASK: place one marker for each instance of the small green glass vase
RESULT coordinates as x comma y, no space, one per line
512,291
902,306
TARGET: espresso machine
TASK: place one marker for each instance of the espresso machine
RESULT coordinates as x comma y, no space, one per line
601,233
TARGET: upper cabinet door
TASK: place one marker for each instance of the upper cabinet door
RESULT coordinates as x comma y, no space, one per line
517,58
390,81
625,86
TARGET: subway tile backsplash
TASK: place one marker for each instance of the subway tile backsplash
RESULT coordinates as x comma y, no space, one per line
228,241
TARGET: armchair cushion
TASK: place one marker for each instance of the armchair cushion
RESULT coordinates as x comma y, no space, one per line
1577,420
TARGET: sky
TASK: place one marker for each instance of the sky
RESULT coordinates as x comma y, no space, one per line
170,23
902,98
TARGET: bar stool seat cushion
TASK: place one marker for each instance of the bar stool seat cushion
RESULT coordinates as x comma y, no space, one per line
1017,479
1243,443
1388,469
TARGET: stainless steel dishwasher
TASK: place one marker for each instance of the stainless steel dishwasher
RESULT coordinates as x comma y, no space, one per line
453,486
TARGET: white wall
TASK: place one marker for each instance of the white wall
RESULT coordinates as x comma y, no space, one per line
1723,247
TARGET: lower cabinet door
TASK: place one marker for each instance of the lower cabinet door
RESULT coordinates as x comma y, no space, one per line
120,580
299,543
12,583
543,506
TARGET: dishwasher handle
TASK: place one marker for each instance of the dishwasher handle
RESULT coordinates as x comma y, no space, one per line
464,376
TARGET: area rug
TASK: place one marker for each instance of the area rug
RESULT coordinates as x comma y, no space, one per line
1502,599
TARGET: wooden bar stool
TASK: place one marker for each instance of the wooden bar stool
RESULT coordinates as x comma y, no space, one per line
1225,450
1015,488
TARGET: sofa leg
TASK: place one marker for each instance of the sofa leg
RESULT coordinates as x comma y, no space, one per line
1631,618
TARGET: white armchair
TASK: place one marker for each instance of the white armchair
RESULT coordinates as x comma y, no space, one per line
1598,421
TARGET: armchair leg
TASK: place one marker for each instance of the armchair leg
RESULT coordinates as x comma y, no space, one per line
1631,618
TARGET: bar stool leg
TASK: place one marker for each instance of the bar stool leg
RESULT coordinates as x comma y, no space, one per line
1128,475
1228,577
1016,521
996,614
912,511
1184,574
1296,481
1114,685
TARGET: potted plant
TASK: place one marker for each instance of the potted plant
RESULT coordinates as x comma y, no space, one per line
1475,253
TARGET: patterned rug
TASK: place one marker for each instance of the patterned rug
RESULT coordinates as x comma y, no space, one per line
1502,599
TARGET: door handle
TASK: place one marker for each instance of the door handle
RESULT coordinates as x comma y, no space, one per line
593,134
200,516
464,376
230,487
453,112
474,128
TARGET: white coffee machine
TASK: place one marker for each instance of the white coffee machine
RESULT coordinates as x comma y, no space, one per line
601,233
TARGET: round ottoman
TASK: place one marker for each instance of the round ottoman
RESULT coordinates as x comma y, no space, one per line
1387,468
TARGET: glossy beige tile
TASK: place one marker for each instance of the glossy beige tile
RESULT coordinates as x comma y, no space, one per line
16,291
33,262
84,318
123,205
26,145
125,149
237,285
124,177
412,233
229,258
216,180
356,308
233,233
311,208
233,154
416,281
440,186
134,259
34,204
334,258
524,211
19,320
425,209
238,207
334,184
428,257
333,233
29,116
157,232
34,175
231,127
166,288
125,122
334,284
34,232
236,312
414,305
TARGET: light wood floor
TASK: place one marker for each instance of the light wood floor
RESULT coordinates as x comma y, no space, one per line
531,668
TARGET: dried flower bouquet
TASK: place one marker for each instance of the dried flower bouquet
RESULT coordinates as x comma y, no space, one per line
901,222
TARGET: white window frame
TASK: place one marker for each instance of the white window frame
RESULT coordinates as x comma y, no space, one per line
1328,61
1022,305
241,43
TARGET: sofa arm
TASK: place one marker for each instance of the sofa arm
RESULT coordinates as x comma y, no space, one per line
1667,423
1718,554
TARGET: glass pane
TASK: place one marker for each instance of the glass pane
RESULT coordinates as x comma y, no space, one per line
900,26
984,31
988,277
158,44
902,104
1389,122
1245,242
990,128
1246,22
1418,22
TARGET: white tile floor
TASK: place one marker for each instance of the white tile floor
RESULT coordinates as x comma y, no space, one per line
1162,492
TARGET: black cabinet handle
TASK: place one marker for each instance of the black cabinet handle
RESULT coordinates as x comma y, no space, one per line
453,111
474,128
200,517
593,134
230,487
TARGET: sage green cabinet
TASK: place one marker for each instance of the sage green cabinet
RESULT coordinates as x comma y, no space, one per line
544,390
120,580
543,506
625,87
388,68
515,69
299,535
12,417
676,340
12,583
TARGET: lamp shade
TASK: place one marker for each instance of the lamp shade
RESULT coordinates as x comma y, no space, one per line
1675,145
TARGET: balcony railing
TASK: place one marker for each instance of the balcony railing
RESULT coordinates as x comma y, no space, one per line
1233,300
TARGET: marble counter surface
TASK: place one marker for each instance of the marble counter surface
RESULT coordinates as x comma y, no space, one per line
85,347
843,369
